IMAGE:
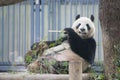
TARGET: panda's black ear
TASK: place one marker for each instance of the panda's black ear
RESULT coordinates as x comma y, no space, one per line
77,17
92,18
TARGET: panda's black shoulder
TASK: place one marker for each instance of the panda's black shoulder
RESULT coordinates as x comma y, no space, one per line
91,41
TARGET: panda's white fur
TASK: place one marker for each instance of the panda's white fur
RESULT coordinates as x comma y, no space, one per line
86,33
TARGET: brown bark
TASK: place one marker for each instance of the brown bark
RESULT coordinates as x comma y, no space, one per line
110,23
9,2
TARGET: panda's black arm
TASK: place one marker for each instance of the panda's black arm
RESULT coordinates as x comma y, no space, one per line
72,35
77,44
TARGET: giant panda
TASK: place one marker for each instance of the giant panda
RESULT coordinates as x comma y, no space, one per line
78,43
80,38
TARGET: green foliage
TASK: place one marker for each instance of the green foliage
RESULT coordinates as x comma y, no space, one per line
116,76
34,46
117,57
59,41
51,66
37,49
46,65
61,67
97,76
28,59
96,71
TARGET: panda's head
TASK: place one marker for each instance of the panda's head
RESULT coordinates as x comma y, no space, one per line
84,26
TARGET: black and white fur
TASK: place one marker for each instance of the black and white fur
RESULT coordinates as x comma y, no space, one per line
80,38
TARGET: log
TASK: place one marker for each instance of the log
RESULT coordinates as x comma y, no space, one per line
75,70
9,2
31,76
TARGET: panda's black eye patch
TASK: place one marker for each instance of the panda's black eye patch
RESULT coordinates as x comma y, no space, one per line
88,26
78,26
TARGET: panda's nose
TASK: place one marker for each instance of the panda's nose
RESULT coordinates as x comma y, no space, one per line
82,29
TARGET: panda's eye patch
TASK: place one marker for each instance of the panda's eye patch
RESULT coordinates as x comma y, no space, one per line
88,26
78,26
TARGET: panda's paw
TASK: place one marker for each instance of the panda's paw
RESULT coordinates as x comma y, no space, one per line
68,30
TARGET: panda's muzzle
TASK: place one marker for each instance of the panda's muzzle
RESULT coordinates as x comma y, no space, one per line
82,32
82,29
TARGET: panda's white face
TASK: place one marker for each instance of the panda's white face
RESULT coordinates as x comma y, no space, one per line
84,27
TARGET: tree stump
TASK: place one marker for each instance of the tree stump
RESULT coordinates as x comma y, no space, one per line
75,70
